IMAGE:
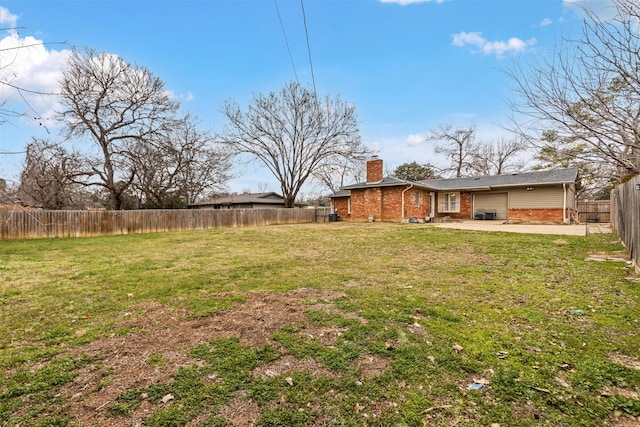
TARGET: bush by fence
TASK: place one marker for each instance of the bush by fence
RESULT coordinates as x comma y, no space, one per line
20,224
625,216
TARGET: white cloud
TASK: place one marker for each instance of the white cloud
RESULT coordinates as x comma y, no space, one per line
6,18
416,139
546,22
498,48
187,97
463,38
26,63
407,2
180,97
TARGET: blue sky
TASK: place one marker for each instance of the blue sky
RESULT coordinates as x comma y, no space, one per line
408,66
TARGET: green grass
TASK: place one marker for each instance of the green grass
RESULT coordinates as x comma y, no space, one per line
535,321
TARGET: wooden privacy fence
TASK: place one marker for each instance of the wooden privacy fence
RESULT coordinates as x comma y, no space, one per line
594,211
625,216
22,224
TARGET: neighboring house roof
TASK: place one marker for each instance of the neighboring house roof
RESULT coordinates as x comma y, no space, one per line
549,177
270,198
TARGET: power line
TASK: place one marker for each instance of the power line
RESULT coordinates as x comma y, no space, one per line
306,31
286,41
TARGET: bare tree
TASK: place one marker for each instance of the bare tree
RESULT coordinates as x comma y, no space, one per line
117,107
497,158
179,166
458,146
48,177
588,93
293,134
337,172
594,176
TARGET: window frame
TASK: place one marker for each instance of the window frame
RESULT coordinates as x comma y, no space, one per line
449,202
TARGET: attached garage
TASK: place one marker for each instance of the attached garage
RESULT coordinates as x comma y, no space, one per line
496,202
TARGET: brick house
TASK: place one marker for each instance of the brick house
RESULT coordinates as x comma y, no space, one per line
542,196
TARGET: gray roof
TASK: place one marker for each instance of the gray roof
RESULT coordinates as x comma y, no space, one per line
341,193
549,177
245,198
387,181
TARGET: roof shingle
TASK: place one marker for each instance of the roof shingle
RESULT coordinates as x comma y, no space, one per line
548,177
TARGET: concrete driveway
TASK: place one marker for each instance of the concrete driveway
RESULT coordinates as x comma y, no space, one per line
571,230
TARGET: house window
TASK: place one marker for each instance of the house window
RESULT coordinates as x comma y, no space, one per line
416,200
449,202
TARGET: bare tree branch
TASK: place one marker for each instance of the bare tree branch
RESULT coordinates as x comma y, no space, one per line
116,106
48,177
588,94
499,157
293,134
457,145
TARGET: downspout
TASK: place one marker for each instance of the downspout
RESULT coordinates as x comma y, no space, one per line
564,203
404,191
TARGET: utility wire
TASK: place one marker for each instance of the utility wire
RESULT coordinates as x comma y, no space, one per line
275,2
306,31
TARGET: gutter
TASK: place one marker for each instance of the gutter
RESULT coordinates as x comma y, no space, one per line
404,191
531,183
564,204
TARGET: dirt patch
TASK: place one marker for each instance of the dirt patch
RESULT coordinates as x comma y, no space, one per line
155,354
241,413
289,364
325,335
624,421
622,392
527,412
417,328
624,360
371,366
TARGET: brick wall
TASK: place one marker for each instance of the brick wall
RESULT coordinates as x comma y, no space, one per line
374,170
372,203
465,208
392,202
341,206
549,215
385,204
357,204
416,203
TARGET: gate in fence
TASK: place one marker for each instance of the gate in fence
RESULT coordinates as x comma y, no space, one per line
594,211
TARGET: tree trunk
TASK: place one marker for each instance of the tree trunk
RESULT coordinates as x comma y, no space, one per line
289,202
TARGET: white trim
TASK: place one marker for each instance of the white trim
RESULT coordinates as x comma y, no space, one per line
445,202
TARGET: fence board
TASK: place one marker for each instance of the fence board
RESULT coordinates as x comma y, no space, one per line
625,216
23,224
594,211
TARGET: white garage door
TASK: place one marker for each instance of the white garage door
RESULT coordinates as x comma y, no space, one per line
491,202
